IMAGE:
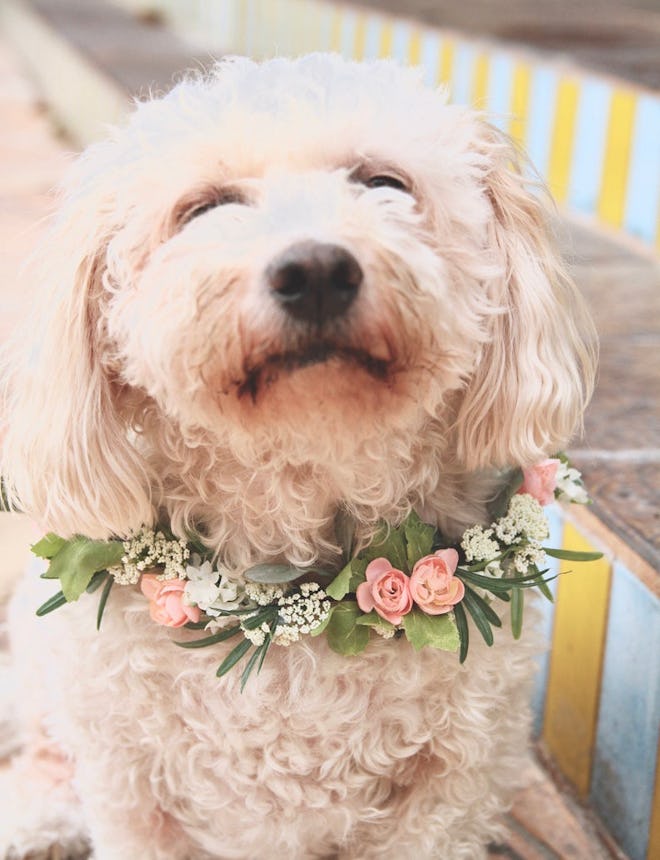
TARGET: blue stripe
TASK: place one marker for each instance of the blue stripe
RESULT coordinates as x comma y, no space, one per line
589,145
372,37
498,101
643,201
547,617
541,117
462,74
400,42
430,57
627,737
347,40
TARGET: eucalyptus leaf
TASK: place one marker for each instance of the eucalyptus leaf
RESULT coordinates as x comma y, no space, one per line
480,620
347,580
571,555
48,546
517,604
463,631
437,631
77,562
344,634
233,657
273,573
419,539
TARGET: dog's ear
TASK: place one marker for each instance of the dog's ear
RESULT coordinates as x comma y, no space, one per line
67,459
535,375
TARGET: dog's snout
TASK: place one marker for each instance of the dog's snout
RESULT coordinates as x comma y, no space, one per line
315,281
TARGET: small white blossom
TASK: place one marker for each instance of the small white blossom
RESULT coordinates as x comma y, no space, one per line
524,520
257,637
478,544
532,554
569,485
262,595
148,549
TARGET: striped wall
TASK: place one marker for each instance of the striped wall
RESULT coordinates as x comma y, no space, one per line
597,698
595,140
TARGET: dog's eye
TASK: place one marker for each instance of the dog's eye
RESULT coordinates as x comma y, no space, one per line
223,197
384,180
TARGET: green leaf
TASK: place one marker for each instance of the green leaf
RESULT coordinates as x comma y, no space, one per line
51,604
481,621
542,585
570,555
348,579
259,652
220,636
233,657
463,631
373,619
273,573
97,581
48,546
492,616
267,615
438,631
419,539
500,504
345,636
316,631
517,604
77,562
109,582
388,543
345,533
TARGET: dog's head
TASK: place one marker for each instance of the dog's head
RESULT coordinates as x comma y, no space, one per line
305,260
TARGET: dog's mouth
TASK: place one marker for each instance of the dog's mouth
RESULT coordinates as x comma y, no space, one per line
270,369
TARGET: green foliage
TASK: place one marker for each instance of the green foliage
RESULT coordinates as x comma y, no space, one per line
571,555
348,579
500,504
419,539
79,559
48,546
345,635
272,574
438,631
373,619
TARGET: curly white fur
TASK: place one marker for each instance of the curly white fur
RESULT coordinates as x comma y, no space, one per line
155,383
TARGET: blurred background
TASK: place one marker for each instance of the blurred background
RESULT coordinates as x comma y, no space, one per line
577,84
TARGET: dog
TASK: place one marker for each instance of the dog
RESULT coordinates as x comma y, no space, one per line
282,290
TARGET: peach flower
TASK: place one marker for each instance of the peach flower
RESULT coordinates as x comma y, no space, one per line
540,481
166,604
433,585
386,590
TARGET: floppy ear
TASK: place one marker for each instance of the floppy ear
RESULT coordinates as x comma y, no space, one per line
66,455
535,376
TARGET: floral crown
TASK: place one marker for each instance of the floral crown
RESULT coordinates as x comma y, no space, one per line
406,583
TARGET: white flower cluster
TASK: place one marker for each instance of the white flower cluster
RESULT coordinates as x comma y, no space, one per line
298,612
569,485
478,544
212,589
301,612
148,549
524,520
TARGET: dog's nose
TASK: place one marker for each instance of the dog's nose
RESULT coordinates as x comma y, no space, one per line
315,281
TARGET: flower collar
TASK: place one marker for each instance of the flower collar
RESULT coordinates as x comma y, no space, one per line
408,583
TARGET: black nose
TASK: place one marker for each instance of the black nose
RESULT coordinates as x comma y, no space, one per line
314,281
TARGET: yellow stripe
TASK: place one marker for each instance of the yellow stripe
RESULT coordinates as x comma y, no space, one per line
480,81
654,834
335,38
360,37
617,157
520,102
415,48
386,40
446,64
576,661
241,35
562,138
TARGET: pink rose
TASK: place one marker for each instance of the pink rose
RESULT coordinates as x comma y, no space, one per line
386,590
540,481
433,585
166,604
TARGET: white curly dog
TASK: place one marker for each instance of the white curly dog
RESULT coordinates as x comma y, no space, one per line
282,290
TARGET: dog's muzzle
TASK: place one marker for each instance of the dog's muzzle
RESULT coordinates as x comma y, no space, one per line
314,281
